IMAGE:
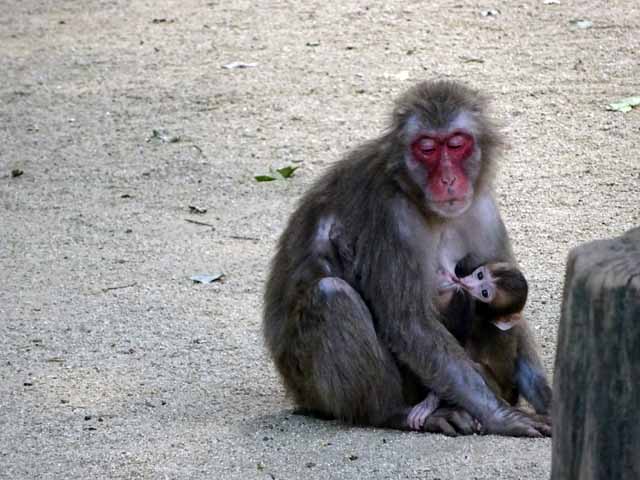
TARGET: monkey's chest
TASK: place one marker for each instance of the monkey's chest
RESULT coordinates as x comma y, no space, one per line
452,248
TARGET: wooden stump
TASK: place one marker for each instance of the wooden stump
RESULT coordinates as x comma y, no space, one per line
596,408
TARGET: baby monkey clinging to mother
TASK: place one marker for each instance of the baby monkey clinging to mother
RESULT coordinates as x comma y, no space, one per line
351,317
496,294
500,287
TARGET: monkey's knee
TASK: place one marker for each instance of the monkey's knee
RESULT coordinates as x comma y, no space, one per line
355,378
337,299
328,287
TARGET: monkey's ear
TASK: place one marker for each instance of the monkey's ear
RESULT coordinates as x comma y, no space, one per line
508,321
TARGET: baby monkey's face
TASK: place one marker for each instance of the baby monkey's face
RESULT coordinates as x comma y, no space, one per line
499,284
481,284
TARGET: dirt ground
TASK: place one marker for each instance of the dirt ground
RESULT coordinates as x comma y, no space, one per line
114,363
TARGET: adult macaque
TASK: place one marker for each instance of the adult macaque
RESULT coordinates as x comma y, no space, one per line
501,292
351,317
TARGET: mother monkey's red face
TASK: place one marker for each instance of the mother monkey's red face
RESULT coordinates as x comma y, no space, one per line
444,161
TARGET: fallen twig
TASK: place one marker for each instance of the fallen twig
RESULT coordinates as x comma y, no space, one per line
242,237
119,287
198,222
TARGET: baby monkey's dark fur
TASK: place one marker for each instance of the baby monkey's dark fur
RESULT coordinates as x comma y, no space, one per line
493,348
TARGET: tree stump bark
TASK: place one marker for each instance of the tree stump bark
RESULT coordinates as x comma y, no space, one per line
596,409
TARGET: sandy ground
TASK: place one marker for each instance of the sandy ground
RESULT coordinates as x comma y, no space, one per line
114,363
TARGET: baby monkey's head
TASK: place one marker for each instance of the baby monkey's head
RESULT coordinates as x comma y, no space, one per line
500,285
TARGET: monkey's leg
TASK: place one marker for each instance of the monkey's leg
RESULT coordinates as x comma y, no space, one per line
530,375
346,371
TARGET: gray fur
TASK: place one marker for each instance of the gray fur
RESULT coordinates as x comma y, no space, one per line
351,324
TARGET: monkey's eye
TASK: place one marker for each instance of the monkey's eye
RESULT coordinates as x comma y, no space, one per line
485,293
480,276
456,141
427,145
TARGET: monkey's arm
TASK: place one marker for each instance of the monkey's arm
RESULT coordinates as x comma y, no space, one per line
420,341
446,369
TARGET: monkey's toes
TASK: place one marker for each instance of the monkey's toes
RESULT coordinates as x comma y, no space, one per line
451,422
520,424
439,425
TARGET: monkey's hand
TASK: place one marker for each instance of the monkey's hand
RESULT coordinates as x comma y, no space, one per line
512,422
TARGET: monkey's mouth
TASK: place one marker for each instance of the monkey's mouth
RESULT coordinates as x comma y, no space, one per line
452,202
452,207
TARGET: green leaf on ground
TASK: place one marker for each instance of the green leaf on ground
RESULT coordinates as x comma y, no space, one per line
284,172
287,172
264,178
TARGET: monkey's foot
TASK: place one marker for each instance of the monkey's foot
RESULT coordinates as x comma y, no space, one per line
543,418
421,411
452,421
518,423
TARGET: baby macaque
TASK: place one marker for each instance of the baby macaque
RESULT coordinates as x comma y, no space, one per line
501,293
502,290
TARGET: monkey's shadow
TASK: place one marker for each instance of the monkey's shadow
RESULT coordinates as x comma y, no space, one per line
293,419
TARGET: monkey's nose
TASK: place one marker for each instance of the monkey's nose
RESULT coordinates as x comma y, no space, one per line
448,181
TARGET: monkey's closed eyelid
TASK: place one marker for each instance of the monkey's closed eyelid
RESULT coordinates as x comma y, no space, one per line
427,143
456,141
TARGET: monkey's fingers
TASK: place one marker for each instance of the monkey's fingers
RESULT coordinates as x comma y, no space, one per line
477,426
539,417
514,422
463,422
413,419
451,421
513,429
541,421
436,424
545,430
522,431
